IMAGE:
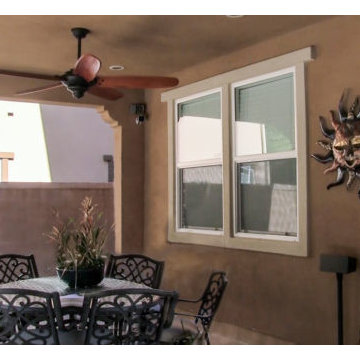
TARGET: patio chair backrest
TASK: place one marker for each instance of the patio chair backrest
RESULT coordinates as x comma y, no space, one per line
211,297
15,267
128,316
27,317
136,268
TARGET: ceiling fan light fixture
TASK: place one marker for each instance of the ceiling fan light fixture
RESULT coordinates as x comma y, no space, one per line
116,67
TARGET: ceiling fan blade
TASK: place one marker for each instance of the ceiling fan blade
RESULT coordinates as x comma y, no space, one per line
136,82
40,89
87,66
29,75
105,93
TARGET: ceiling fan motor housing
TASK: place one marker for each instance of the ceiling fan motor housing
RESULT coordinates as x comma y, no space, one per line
77,85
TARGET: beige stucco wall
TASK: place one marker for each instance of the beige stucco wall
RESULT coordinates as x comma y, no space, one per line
282,296
26,215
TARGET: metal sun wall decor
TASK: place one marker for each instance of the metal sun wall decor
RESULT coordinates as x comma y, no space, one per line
342,144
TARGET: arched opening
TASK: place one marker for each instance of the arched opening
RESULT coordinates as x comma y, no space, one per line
24,197
55,143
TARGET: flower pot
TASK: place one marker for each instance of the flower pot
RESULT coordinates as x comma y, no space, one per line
82,277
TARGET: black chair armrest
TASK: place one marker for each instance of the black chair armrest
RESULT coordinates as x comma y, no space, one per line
193,315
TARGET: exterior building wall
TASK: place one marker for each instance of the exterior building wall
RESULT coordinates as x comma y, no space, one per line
280,296
76,140
53,143
22,134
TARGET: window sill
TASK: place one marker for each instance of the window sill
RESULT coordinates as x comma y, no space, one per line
290,246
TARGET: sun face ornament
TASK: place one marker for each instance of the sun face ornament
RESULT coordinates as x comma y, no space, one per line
342,144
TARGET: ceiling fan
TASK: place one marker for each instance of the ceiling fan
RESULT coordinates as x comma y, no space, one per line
83,77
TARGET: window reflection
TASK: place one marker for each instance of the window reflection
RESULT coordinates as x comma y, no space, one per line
201,198
267,197
264,116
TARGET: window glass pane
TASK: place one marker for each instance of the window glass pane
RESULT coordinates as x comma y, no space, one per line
264,114
199,129
201,198
267,197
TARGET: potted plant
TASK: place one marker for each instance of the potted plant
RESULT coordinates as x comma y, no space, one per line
80,261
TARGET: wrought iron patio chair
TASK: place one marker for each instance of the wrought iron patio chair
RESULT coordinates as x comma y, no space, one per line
15,267
137,268
127,316
29,317
209,303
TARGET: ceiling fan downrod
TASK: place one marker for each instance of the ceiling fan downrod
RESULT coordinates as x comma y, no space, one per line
79,33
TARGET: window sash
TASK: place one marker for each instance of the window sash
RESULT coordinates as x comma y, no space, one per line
180,165
266,235
264,110
265,157
179,203
291,71
203,162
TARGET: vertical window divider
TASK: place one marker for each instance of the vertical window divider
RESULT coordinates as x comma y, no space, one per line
172,211
234,187
227,183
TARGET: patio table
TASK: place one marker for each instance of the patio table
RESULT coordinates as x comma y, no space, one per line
69,296
72,300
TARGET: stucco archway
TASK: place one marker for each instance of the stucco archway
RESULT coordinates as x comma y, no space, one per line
128,159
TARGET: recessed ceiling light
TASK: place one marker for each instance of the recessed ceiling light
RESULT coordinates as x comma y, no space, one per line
116,67
234,16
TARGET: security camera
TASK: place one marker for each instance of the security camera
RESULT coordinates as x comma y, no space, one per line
140,111
140,119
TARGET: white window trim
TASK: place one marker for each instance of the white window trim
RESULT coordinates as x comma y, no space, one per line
271,243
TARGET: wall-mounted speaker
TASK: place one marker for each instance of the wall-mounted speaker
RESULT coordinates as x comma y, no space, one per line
337,264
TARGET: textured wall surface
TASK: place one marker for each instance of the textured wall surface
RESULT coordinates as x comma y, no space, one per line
26,215
282,296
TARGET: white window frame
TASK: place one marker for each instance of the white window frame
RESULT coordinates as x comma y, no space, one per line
192,164
261,157
297,246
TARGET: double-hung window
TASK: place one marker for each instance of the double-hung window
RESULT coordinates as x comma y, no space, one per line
265,157
199,197
237,158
